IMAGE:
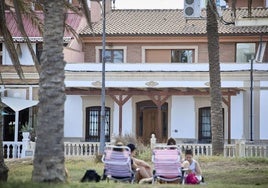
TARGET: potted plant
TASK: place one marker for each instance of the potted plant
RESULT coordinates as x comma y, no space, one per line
26,130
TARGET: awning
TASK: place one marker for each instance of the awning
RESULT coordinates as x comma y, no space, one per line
18,104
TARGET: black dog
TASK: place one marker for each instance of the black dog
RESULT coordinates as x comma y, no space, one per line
91,175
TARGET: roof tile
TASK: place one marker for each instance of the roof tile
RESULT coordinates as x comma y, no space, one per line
170,22
72,19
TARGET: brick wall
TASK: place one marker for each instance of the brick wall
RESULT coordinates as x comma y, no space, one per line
134,52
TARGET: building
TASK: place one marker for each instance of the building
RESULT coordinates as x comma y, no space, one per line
157,78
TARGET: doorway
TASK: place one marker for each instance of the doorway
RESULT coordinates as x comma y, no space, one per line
147,121
9,123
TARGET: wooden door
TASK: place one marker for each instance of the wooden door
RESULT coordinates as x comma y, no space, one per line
149,123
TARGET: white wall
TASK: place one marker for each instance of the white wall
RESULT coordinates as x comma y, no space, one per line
25,58
183,117
73,116
264,115
237,116
126,119
115,128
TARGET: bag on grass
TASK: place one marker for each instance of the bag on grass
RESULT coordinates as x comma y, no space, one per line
91,175
191,179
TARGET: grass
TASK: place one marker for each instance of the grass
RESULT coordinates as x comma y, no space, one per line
218,172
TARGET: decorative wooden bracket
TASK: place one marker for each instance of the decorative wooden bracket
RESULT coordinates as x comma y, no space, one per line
120,101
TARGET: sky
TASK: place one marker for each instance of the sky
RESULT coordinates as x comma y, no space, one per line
151,4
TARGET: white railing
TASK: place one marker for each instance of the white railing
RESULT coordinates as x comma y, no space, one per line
81,148
12,149
239,149
256,151
206,149
90,149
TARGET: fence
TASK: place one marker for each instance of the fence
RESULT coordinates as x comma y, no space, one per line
87,149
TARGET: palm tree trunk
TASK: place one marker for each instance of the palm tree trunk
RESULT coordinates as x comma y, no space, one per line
49,154
3,167
215,79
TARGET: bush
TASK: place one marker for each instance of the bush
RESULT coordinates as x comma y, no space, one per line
141,148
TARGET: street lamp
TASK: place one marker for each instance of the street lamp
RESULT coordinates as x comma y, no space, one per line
251,99
102,132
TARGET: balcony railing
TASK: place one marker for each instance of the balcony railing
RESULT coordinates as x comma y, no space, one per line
163,67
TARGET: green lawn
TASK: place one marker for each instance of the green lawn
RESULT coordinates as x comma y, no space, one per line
218,172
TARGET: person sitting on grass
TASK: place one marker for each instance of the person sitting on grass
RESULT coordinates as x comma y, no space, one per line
192,168
144,171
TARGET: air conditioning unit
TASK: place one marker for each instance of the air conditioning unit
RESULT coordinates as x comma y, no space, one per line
192,9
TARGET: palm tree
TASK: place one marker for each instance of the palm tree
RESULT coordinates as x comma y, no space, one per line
51,94
215,79
49,152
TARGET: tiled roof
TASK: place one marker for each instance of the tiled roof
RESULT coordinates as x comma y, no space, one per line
72,19
169,22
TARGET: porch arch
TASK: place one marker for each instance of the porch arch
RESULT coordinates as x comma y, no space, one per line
148,121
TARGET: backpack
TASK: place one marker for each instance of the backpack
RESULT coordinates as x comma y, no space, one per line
91,175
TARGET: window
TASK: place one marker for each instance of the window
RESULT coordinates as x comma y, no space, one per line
245,52
182,56
169,54
205,125
261,52
113,56
39,50
93,124
23,52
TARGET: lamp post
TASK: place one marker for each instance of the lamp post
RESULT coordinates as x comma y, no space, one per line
251,99
102,132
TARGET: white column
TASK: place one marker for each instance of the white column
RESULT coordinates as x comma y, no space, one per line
16,127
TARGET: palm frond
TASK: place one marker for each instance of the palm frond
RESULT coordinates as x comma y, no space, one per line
35,19
75,9
73,31
19,5
9,41
87,13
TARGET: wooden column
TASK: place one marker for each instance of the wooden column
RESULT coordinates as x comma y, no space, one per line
159,101
120,101
228,103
